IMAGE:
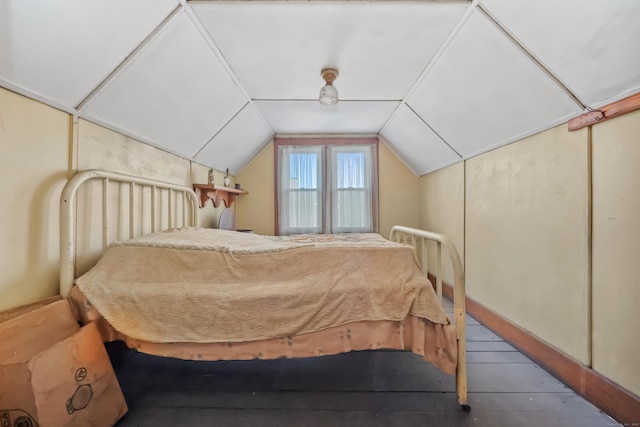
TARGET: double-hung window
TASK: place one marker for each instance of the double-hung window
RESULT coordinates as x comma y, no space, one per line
326,186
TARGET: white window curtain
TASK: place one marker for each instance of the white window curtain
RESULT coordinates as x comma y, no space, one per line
350,180
300,192
327,189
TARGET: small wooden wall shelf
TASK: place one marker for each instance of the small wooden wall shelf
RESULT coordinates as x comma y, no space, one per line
216,194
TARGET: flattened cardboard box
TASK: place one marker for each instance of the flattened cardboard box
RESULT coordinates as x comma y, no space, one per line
54,373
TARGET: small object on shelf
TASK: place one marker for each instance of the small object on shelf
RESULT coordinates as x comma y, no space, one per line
216,194
227,179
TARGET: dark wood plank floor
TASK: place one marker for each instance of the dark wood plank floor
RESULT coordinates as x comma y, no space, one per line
370,388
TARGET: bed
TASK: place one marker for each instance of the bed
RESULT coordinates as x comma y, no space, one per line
173,289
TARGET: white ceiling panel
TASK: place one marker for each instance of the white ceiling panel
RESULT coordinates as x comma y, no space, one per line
484,91
175,92
277,50
214,80
299,117
592,46
61,50
237,142
418,146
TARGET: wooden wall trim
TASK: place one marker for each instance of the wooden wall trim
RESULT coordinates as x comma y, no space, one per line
609,111
613,399
23,309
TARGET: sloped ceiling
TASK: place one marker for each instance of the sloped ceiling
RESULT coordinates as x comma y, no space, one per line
214,81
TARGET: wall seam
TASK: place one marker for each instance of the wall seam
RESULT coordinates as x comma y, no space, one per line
590,247
464,219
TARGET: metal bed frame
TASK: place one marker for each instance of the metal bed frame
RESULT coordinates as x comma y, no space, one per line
68,214
189,209
419,240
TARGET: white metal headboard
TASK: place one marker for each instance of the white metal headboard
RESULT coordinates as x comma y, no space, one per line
68,213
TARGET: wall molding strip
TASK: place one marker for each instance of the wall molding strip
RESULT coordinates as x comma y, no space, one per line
618,402
609,111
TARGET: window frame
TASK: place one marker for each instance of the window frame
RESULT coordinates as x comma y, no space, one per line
324,142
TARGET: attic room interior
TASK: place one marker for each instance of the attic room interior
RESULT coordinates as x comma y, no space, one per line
509,127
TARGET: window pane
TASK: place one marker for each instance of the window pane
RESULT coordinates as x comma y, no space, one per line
303,170
350,170
352,211
303,209
327,188
351,200
300,190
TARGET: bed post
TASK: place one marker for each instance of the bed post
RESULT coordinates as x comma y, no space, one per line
459,311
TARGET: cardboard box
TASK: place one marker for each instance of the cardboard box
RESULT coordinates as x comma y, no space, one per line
54,373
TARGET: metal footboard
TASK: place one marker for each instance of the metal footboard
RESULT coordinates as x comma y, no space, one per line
418,239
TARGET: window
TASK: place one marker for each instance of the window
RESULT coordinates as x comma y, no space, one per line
330,187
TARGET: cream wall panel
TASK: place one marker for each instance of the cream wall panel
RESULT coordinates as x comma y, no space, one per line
398,192
101,148
527,236
442,210
256,210
34,143
616,250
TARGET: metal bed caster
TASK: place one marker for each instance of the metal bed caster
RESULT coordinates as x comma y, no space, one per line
465,407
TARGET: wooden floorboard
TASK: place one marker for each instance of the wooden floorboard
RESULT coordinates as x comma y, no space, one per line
370,388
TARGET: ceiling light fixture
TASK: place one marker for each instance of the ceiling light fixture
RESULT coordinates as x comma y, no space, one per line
328,93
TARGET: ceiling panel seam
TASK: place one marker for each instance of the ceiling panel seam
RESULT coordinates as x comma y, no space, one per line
391,148
220,130
521,136
208,2
447,41
435,132
546,70
193,16
256,152
36,96
131,135
129,58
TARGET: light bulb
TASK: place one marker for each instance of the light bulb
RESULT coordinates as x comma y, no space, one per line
328,95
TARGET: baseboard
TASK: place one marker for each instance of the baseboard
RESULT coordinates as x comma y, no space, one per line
613,399
19,311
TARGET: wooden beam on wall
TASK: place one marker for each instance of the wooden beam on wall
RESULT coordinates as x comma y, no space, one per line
609,111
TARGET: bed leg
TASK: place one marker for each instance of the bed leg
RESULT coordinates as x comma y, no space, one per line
461,368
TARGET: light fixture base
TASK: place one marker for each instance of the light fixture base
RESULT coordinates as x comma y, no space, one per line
329,75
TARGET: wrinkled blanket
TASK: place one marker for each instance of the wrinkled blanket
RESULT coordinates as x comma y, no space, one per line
206,285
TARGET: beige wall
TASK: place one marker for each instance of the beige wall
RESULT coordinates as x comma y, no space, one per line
398,188
527,228
527,238
38,144
442,211
398,192
256,210
616,250
33,142
101,148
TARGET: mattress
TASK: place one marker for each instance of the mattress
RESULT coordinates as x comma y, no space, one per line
227,295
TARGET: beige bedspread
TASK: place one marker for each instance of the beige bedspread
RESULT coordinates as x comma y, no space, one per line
204,285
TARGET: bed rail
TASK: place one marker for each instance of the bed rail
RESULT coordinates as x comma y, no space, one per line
419,239
68,213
